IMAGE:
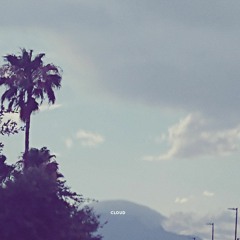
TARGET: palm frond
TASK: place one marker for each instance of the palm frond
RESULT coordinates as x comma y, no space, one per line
37,62
12,59
21,98
50,95
25,55
25,59
38,93
12,104
3,81
54,80
8,94
50,67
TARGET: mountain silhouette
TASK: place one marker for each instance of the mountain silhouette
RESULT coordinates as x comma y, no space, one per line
138,223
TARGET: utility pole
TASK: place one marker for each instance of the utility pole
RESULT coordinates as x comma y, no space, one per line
212,224
236,220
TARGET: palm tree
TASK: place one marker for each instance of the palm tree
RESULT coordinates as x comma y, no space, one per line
42,159
28,82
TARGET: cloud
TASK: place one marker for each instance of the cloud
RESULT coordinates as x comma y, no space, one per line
181,200
44,107
178,58
86,139
160,139
47,107
189,223
89,139
151,158
208,194
11,116
183,223
68,143
195,136
179,55
172,54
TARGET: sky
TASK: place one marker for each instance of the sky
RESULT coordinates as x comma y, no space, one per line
149,105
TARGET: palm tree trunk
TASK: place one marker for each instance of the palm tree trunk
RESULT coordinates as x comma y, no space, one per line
28,115
27,130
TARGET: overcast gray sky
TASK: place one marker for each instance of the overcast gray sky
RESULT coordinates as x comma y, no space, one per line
149,107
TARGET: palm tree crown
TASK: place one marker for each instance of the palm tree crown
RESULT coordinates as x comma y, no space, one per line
28,82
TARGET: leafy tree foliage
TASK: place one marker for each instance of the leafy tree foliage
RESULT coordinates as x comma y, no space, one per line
37,204
7,127
28,82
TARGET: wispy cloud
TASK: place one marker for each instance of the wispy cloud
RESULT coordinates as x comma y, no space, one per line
89,139
86,139
208,194
193,137
189,223
151,158
47,107
181,200
68,142
11,116
44,107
